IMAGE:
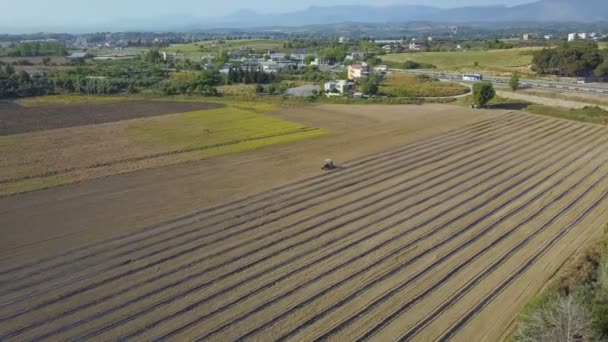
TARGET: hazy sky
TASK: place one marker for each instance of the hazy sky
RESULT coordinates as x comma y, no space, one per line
25,13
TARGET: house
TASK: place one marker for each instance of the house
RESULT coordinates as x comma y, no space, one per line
416,46
582,35
343,39
472,77
548,36
572,37
528,36
341,87
387,48
357,71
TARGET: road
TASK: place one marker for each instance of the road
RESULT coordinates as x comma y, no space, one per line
595,88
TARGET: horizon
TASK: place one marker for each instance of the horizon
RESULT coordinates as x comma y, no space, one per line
69,16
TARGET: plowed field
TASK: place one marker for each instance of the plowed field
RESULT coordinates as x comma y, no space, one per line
443,238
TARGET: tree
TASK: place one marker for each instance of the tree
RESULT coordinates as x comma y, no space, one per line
514,82
370,86
483,93
309,59
153,56
10,70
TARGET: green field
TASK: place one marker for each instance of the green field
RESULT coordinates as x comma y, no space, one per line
405,85
213,47
37,160
499,61
236,128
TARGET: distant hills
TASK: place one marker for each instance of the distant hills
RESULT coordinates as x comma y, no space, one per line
541,11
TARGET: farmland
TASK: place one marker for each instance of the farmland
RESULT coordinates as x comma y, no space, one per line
404,85
439,237
498,61
48,142
213,47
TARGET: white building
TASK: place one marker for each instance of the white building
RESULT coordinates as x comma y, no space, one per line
582,35
548,36
338,87
572,37
416,46
388,41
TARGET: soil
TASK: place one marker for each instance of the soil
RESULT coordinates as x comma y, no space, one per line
440,223
15,118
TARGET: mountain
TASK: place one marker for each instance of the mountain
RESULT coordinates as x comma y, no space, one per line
540,11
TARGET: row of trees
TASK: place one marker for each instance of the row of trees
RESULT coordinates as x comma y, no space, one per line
21,84
572,60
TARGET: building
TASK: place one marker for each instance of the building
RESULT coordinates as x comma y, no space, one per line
389,41
387,48
528,36
472,77
341,87
357,71
583,35
548,36
572,37
416,46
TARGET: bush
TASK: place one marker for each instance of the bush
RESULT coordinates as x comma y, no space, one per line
483,93
409,65
561,318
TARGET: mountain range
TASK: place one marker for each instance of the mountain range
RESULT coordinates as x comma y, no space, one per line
540,11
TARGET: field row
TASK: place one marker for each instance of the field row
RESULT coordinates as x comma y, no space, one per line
443,238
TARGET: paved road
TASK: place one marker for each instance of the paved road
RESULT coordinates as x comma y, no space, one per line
595,88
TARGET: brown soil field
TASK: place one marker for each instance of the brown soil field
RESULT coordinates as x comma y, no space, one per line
439,225
16,118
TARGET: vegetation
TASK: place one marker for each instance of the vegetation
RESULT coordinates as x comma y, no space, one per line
408,65
572,60
503,60
575,306
33,49
406,85
21,84
164,140
591,114
483,92
514,82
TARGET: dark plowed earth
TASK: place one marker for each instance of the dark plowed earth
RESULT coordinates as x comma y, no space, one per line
20,119
444,238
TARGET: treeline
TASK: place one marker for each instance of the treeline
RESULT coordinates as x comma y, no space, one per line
21,84
33,49
249,76
572,60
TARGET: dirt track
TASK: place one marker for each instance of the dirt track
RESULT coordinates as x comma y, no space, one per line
441,238
15,118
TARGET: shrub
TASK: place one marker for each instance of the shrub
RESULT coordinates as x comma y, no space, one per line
483,93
